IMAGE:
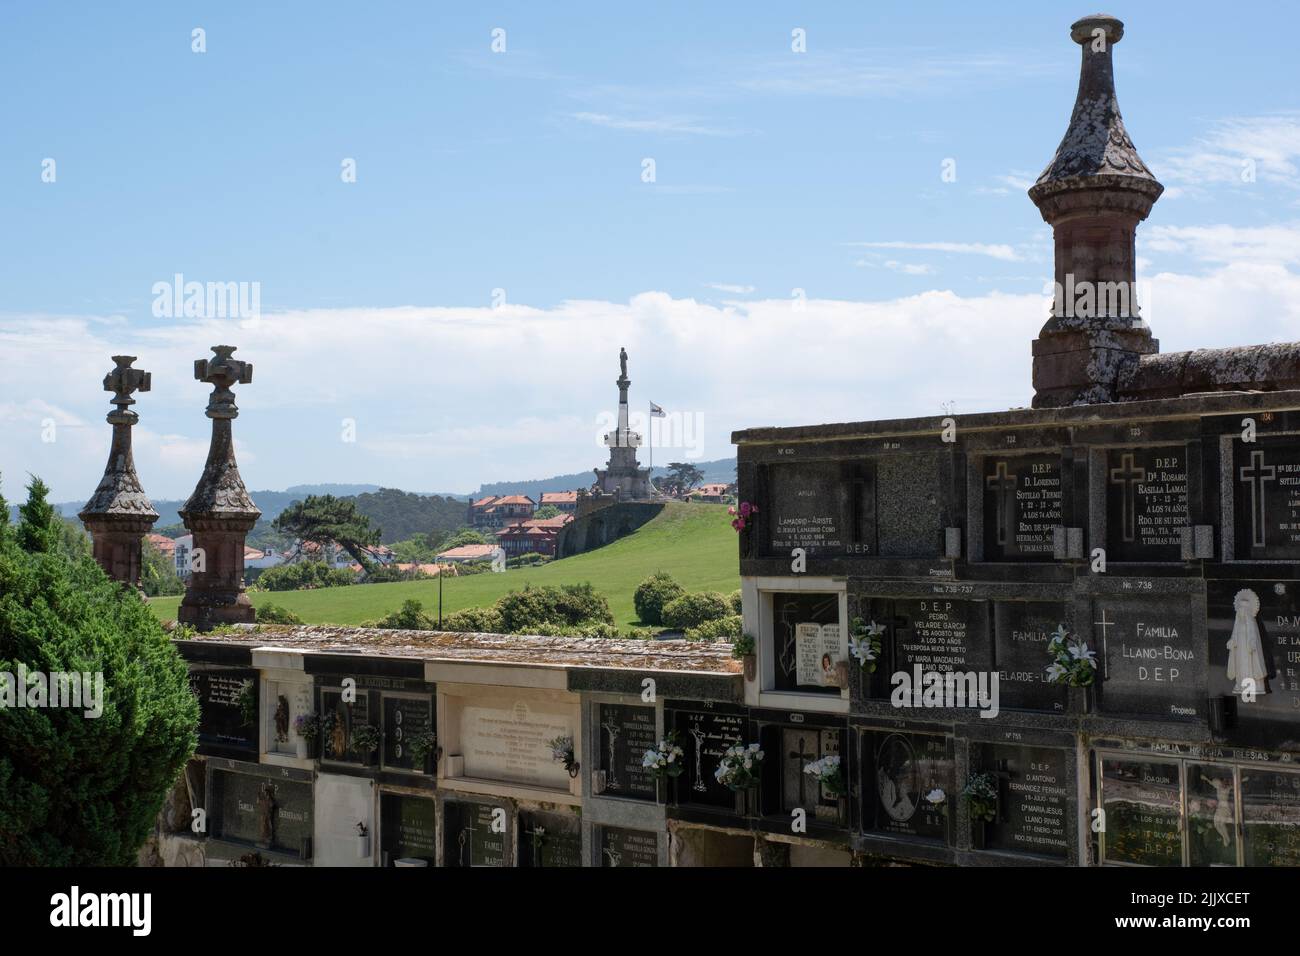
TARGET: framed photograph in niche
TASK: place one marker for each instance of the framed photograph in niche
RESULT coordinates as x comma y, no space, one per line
807,642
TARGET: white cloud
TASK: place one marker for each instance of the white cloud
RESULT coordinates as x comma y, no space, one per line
447,398
887,72
663,124
909,268
992,250
1234,150
1227,244
729,287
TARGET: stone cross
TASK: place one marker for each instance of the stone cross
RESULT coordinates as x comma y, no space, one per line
221,373
1130,476
124,381
1004,485
799,755
1255,474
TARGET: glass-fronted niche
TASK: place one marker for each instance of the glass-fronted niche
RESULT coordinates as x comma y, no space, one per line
394,729
1170,811
804,638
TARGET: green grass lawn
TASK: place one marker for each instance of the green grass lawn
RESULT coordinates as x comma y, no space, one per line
694,543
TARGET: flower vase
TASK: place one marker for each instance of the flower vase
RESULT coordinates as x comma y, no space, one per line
1080,700
978,834
363,846
751,667
301,744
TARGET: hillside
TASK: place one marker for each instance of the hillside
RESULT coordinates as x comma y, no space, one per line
401,514
694,543
271,503
722,470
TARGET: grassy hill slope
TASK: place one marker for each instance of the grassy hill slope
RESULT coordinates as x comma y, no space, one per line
694,543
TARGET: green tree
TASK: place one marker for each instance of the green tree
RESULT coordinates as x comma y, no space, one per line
462,538
324,518
38,532
414,550
653,594
4,515
694,609
79,790
158,572
682,477
410,617
546,511
71,540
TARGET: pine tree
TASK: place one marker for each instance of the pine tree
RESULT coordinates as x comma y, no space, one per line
37,530
4,513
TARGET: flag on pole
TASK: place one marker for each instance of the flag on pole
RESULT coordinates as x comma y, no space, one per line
656,411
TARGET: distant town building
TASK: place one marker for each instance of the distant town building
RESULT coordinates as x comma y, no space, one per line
536,536
497,511
713,493
468,552
566,501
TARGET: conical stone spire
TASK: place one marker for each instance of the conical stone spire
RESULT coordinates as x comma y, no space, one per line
219,513
1094,193
119,513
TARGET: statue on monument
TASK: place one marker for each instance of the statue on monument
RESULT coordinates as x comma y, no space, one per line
622,361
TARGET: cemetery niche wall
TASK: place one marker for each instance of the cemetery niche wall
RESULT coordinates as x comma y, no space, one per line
1110,573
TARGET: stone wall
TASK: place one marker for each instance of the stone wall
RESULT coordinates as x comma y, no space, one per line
603,526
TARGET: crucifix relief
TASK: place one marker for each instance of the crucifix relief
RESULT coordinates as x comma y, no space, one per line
699,736
1003,485
611,729
801,755
1256,474
1129,477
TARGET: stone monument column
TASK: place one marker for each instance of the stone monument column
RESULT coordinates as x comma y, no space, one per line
219,514
1094,193
119,514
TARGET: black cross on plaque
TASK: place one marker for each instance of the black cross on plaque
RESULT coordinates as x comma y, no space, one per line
1256,473
1129,476
538,840
466,837
1004,485
799,755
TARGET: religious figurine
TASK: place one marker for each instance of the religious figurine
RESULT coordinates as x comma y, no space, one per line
1245,650
622,361
266,814
282,720
339,736
1223,812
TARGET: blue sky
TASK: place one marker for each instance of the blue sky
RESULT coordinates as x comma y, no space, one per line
521,171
